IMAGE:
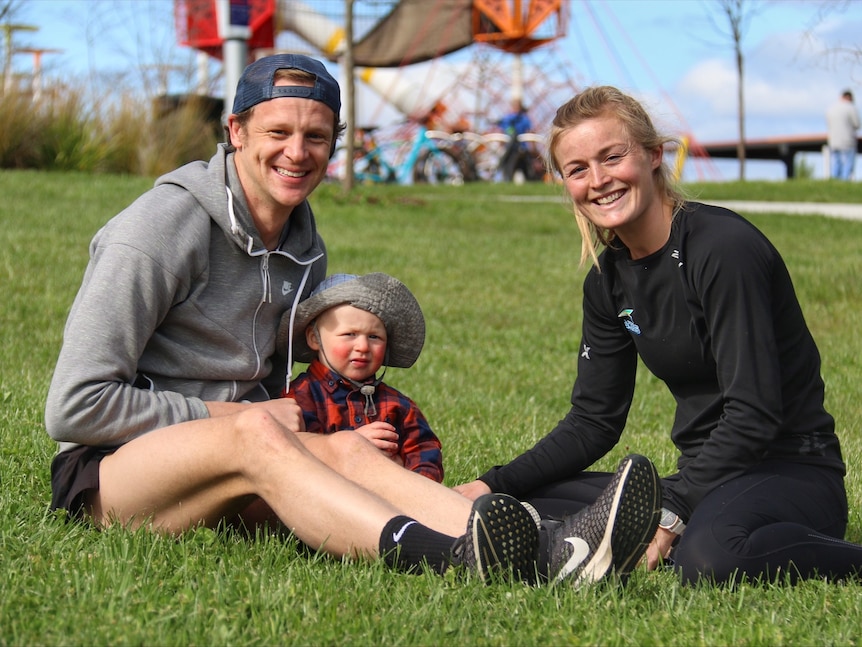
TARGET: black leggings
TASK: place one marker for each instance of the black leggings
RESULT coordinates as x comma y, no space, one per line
777,518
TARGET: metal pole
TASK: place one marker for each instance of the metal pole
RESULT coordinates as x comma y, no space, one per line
203,73
235,56
233,23
349,94
8,29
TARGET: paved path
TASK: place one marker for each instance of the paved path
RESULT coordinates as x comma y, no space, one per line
830,209
833,210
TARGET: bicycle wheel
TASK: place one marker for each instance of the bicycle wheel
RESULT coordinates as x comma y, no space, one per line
368,167
441,166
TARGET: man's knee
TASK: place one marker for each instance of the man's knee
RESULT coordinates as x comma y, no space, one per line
343,450
256,432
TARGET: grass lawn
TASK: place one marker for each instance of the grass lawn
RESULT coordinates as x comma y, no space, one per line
499,283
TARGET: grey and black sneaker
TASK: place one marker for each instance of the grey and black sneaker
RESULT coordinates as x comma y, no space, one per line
612,534
502,539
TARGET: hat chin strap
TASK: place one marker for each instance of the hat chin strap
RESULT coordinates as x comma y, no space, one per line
368,389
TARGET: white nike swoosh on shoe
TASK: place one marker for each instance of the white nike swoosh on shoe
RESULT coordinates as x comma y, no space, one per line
581,550
396,536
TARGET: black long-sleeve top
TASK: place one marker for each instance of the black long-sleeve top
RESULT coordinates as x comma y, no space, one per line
714,315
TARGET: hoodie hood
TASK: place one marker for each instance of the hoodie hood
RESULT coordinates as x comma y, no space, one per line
216,186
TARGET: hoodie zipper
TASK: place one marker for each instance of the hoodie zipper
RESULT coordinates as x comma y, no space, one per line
266,281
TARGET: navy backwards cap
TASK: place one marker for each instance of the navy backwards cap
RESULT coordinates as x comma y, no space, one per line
257,83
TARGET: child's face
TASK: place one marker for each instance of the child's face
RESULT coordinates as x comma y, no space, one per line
354,341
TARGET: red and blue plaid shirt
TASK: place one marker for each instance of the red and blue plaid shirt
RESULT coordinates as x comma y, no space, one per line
330,404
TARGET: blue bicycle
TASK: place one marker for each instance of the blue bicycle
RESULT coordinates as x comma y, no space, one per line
429,157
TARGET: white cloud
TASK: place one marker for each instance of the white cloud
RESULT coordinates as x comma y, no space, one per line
709,85
790,79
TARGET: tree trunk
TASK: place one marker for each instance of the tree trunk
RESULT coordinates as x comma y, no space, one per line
740,147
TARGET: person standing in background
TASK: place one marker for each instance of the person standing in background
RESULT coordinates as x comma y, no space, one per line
842,122
514,124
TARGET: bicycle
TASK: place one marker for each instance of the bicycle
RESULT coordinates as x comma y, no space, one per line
429,157
443,158
487,152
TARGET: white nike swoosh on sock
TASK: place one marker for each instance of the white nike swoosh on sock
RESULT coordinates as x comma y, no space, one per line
581,550
396,536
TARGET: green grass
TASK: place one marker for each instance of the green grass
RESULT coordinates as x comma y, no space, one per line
500,287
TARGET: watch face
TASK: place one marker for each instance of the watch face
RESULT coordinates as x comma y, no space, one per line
667,518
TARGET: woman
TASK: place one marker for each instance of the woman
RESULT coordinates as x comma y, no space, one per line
704,299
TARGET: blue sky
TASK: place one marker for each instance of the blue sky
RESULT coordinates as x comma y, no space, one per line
673,54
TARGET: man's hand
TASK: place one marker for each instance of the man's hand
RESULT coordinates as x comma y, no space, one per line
285,411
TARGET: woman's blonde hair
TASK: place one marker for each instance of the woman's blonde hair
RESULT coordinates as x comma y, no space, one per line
600,101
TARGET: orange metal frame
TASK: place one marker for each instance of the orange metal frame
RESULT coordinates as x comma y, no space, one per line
505,25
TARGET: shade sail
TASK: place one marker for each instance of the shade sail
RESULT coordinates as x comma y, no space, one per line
416,31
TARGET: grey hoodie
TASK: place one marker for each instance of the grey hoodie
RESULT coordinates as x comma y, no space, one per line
180,304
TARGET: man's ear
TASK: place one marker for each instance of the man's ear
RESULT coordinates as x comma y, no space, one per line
311,337
234,131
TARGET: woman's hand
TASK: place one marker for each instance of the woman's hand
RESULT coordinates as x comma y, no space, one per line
659,548
472,490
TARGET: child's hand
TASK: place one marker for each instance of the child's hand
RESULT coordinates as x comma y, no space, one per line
382,435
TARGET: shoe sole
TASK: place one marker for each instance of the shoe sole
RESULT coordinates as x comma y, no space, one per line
638,527
631,524
505,538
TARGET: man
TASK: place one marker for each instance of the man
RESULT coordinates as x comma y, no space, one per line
164,395
842,121
517,152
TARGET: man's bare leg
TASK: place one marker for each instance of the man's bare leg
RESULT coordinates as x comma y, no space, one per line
201,471
416,496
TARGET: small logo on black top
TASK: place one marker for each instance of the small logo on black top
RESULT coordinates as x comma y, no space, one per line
626,315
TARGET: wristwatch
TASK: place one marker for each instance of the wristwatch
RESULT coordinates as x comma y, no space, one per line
670,521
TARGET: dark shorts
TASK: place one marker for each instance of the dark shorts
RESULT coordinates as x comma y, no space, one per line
74,473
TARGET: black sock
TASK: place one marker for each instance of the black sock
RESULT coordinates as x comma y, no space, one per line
407,545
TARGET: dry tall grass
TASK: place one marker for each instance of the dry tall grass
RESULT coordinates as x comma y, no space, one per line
127,135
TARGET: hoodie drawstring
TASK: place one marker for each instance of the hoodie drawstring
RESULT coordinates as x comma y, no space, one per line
296,299
267,280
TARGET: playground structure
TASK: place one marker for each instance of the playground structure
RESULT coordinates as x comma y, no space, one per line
467,92
452,106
